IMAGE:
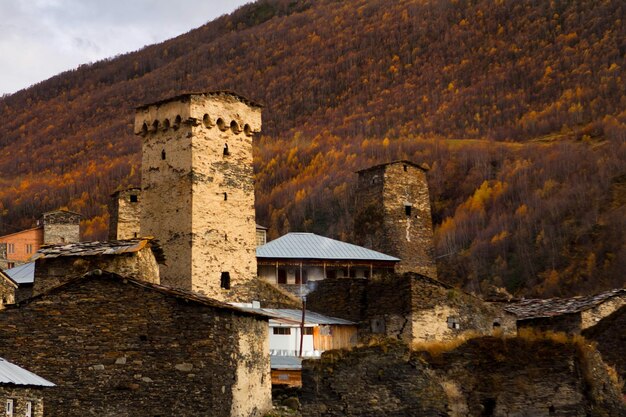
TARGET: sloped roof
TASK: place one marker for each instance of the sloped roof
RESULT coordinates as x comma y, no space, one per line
13,374
537,308
312,246
401,161
185,96
22,274
112,247
310,317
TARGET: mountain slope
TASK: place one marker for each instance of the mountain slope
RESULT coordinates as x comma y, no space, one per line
350,83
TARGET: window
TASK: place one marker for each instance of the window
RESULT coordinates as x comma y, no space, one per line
308,331
407,210
453,323
29,409
9,407
10,265
10,247
281,330
225,281
163,154
29,248
225,196
226,151
134,198
405,168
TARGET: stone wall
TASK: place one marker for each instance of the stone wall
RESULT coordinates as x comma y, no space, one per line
21,396
198,189
610,336
409,307
7,291
124,214
592,316
484,377
51,272
566,323
61,227
117,347
393,215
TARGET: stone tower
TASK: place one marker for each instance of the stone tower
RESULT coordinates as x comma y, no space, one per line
197,188
61,226
124,214
392,215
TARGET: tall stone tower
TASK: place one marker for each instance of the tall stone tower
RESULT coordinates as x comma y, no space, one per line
124,214
198,188
393,215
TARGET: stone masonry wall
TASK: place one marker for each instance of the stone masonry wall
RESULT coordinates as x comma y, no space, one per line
21,396
592,316
393,215
566,323
125,214
484,377
198,200
7,292
115,349
61,227
51,272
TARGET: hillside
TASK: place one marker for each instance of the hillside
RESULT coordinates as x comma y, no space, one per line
517,107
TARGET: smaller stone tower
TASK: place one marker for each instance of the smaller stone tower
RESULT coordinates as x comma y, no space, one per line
197,188
61,226
392,215
124,214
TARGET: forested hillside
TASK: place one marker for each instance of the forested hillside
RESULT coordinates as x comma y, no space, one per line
518,107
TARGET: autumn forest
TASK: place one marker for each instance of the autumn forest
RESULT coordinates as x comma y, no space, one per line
518,108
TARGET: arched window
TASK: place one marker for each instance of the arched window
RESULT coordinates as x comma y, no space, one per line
226,151
163,155
234,127
225,280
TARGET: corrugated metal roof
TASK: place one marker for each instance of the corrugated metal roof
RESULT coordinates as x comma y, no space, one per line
13,374
22,274
536,308
295,316
312,246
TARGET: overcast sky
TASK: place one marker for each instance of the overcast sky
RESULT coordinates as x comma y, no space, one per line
40,38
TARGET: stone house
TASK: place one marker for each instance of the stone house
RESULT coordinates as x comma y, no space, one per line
59,226
21,391
569,315
297,258
409,307
8,288
132,258
117,346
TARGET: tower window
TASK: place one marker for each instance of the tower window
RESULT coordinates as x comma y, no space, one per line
407,210
177,122
166,124
226,151
225,196
144,128
221,124
405,168
453,323
133,198
163,154
225,281
234,127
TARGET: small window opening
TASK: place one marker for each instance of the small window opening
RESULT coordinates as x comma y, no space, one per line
405,168
166,124
281,330
496,325
453,323
225,281
226,151
155,125
247,130
133,198
551,410
489,407
225,196
206,121
221,125
135,234
143,338
177,122
308,331
144,128
163,154
234,127
9,407
407,210
29,409
225,237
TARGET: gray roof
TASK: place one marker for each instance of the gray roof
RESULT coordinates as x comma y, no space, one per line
536,308
295,315
13,374
312,246
22,274
112,247
285,362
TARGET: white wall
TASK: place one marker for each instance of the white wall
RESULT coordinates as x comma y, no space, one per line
289,345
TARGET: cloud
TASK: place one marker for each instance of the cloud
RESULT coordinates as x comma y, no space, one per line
40,38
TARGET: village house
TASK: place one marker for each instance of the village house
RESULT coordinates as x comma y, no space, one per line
21,391
8,288
57,226
297,258
24,277
118,346
569,315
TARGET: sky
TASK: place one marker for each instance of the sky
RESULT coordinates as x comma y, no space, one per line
41,38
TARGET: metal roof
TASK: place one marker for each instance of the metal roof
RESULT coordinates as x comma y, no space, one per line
312,246
290,316
22,274
536,308
13,374
285,362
